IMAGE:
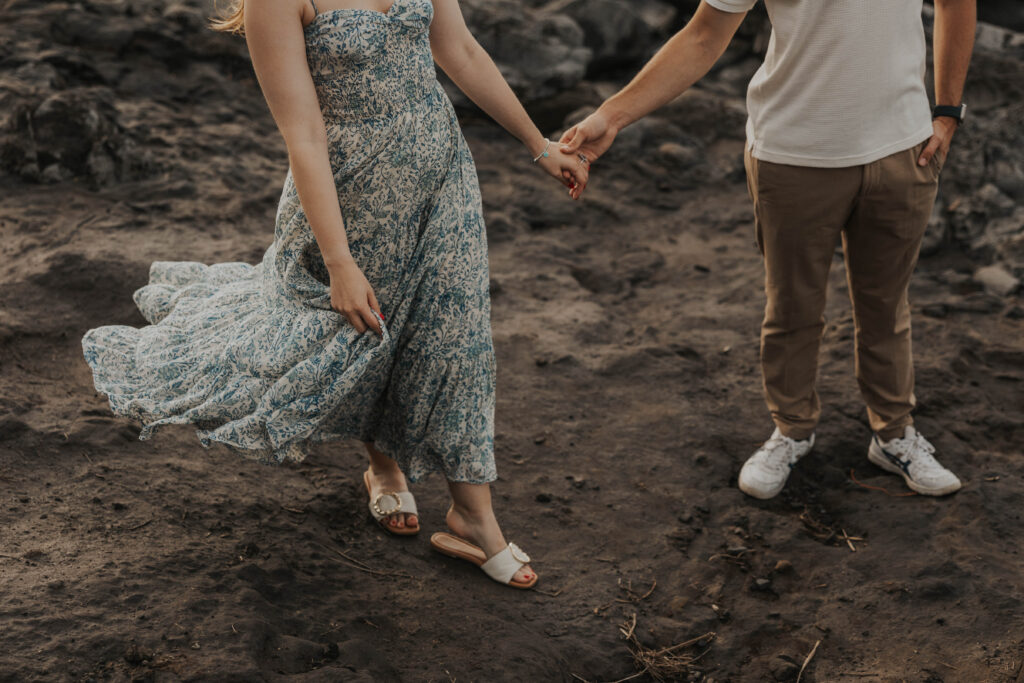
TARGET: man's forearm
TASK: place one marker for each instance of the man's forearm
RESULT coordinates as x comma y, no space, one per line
953,42
680,63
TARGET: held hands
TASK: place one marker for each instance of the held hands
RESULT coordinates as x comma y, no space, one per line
568,169
591,137
352,296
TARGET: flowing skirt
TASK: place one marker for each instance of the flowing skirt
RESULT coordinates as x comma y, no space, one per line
256,359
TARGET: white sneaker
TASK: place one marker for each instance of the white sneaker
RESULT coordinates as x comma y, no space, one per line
766,471
911,457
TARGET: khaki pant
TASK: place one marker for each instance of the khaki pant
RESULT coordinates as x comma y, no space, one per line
881,211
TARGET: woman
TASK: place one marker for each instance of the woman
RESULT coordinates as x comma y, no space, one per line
380,221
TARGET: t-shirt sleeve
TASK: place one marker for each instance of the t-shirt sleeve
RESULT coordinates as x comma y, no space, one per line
732,5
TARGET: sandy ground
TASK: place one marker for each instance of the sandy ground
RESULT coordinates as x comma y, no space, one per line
629,395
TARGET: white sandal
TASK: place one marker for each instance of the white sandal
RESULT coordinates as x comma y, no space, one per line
389,503
502,567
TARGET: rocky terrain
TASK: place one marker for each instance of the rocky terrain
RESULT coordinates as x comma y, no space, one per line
629,391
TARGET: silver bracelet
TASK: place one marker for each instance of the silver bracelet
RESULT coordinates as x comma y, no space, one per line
544,152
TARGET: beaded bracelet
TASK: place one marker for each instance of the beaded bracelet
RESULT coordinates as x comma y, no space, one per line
544,152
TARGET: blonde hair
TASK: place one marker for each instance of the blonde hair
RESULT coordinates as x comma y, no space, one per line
230,20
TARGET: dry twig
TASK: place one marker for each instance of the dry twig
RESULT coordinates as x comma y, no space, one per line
667,663
807,661
139,526
362,566
879,488
635,597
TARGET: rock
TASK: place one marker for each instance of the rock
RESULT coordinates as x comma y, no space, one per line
1005,169
978,302
996,280
783,567
547,209
660,17
539,53
577,115
994,201
676,156
597,280
72,133
937,233
617,32
501,227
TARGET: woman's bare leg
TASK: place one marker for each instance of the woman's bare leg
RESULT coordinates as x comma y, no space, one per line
472,517
385,476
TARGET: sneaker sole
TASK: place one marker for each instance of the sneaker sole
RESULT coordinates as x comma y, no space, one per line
878,459
760,495
753,493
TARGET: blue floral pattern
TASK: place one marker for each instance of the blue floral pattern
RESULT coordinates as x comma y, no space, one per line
254,356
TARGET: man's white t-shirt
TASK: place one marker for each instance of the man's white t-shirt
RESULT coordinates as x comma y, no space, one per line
842,83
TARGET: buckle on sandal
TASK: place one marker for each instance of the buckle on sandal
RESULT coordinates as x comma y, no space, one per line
518,554
392,496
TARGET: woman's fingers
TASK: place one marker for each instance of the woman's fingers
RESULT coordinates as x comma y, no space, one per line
581,176
371,319
371,322
356,319
373,303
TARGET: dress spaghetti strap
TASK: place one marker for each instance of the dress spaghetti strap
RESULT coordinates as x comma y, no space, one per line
315,10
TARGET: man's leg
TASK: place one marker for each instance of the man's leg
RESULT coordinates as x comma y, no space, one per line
799,213
881,244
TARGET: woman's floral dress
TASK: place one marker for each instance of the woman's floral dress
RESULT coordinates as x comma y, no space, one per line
255,357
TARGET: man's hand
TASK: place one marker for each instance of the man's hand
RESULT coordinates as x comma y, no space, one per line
592,136
942,137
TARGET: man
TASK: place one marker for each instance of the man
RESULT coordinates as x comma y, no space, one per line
841,142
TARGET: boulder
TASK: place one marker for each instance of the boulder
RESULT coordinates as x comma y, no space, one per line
540,53
71,133
996,280
620,33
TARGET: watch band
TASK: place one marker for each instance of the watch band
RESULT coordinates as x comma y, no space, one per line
958,112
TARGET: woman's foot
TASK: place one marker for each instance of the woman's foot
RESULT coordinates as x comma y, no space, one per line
481,527
389,478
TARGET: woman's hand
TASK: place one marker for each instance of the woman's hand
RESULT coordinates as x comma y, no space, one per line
352,296
569,169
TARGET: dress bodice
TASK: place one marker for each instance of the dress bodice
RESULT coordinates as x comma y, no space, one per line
367,64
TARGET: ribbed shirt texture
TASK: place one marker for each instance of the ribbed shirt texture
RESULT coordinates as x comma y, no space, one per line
842,82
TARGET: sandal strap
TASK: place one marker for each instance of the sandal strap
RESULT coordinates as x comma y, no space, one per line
504,565
392,502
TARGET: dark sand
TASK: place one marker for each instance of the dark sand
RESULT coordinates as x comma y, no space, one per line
629,395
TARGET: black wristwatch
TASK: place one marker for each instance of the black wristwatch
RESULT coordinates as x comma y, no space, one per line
959,113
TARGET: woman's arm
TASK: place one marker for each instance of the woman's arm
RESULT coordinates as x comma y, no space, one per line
469,66
274,34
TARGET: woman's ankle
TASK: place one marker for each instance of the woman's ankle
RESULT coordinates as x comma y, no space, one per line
473,514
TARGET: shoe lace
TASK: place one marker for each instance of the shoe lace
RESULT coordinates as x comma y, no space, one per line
919,450
780,453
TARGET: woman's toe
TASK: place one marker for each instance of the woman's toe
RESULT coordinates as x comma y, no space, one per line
524,575
411,521
399,521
